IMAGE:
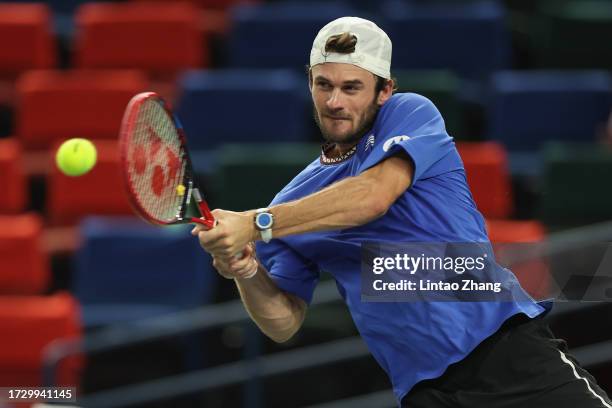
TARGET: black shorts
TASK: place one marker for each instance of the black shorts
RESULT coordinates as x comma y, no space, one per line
522,365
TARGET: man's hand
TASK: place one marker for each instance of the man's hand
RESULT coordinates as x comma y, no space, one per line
232,233
238,268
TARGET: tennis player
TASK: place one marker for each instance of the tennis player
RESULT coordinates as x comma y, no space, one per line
389,172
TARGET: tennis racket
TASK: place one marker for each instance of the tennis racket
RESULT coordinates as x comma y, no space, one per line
156,165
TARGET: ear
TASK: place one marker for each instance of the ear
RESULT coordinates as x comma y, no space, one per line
386,92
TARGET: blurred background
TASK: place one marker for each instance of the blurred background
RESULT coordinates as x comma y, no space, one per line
135,316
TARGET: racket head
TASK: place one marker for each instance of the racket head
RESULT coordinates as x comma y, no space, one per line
155,162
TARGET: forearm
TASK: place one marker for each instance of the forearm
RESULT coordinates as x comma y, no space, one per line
277,314
348,203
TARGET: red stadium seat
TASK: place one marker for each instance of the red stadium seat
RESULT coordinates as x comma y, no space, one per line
507,231
26,39
101,191
27,325
56,105
12,177
523,237
24,265
161,38
486,166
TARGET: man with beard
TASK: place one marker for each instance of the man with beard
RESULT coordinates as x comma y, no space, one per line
390,173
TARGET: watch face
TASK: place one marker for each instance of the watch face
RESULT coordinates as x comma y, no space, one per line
264,220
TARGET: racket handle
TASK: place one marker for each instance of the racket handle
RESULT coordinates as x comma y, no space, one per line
209,219
209,224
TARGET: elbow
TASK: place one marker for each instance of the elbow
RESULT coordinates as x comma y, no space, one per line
282,336
376,209
285,329
285,337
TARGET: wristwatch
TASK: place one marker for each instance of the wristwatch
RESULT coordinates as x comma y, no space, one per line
263,222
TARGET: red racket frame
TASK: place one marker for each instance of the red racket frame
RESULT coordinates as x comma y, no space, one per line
125,140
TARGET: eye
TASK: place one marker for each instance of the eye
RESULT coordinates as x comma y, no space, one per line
324,85
351,88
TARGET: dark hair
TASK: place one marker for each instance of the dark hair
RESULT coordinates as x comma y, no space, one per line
341,43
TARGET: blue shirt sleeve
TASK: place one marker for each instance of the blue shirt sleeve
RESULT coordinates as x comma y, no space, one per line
291,272
411,123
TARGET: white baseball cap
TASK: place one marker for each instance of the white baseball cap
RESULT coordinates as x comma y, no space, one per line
372,50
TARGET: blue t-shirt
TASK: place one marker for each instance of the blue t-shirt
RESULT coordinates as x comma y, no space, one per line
412,341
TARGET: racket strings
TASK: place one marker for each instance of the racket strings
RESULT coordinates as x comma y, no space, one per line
157,166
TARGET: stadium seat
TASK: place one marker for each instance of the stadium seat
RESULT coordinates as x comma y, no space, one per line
486,167
128,270
101,191
57,105
250,177
576,184
24,265
442,88
12,178
28,324
228,106
529,108
514,231
469,38
573,34
523,239
26,38
278,35
166,36
26,42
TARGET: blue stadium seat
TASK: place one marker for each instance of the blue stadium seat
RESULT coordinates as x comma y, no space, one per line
127,270
469,38
227,106
279,35
529,108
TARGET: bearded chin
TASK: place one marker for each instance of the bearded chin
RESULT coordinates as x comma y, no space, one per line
365,123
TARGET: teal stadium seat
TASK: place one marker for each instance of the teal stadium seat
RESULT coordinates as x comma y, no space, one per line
250,176
576,184
573,34
442,88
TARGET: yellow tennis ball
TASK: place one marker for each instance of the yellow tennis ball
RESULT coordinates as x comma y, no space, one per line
180,190
76,157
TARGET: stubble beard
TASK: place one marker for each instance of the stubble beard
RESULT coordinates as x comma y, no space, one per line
366,121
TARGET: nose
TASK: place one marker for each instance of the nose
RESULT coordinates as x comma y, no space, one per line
334,102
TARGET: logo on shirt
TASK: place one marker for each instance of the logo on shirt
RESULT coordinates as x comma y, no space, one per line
370,142
393,141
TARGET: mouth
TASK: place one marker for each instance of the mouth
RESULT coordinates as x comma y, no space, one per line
336,117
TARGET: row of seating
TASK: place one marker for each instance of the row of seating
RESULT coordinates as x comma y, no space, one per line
168,37
124,271
237,171
526,108
470,38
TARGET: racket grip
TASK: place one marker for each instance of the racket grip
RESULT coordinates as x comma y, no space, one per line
209,224
209,219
